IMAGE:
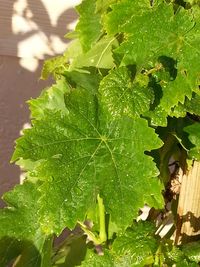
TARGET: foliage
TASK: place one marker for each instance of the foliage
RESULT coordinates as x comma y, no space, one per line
125,100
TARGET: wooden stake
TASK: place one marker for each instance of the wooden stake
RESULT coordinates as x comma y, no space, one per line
188,212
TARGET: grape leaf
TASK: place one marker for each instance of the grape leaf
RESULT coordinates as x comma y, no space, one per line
95,155
122,14
175,36
194,136
143,44
122,96
136,247
73,50
20,232
89,28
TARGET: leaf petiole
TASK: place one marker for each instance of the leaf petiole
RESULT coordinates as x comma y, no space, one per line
102,230
90,234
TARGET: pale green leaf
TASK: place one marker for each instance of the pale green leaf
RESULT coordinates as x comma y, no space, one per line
73,50
51,98
99,56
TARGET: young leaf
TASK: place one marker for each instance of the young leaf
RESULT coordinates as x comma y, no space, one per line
99,56
54,66
51,98
122,96
89,28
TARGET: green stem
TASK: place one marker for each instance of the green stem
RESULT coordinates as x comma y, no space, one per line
102,222
47,252
102,231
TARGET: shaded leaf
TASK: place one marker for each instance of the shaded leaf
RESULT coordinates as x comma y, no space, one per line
192,251
20,232
194,137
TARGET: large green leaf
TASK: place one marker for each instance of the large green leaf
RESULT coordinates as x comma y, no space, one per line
20,232
156,31
85,153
